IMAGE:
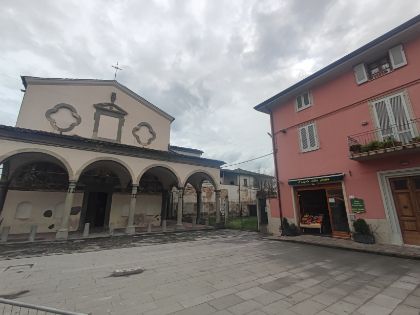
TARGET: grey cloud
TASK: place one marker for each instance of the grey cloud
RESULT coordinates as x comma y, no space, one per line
207,63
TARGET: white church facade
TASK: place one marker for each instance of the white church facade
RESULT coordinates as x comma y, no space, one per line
93,151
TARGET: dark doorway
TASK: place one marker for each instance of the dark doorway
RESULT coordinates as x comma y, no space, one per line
263,211
252,210
96,212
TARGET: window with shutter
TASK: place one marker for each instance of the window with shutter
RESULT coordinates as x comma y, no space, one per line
303,101
393,119
397,56
308,138
360,73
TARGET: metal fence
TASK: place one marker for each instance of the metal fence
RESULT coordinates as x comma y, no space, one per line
392,136
12,307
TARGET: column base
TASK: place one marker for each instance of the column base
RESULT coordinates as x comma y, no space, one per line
130,230
62,234
179,226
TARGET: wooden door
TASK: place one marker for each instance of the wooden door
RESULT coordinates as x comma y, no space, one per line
406,192
338,213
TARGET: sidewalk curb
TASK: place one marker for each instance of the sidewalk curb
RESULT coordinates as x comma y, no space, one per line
78,239
361,250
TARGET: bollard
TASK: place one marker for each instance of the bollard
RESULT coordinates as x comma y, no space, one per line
5,234
32,234
164,225
111,230
86,230
149,227
194,220
207,222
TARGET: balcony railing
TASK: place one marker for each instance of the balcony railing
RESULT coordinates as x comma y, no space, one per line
400,138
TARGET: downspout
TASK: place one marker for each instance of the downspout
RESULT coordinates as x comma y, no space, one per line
276,169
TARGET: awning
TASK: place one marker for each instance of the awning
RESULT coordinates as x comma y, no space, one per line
316,180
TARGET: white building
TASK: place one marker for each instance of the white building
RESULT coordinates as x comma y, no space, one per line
93,151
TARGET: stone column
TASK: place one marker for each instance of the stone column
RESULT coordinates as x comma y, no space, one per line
199,206
131,229
4,183
180,206
63,232
217,206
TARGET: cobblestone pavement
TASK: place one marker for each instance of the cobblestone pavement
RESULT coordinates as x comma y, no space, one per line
209,272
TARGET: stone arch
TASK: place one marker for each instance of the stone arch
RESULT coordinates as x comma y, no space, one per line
104,158
210,178
62,160
171,169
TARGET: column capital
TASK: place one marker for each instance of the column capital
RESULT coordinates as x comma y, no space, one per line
72,186
134,189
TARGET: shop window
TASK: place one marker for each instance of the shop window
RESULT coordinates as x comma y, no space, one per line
308,138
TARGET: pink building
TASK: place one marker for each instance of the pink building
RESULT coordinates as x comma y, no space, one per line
346,141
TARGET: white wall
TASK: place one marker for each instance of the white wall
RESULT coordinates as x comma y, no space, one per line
40,202
40,98
148,209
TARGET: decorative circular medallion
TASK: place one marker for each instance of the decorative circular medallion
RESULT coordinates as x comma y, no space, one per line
144,133
59,117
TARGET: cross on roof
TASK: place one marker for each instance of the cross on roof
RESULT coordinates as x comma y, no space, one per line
116,70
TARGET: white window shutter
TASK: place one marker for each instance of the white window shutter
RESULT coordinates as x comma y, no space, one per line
313,143
360,73
397,57
303,139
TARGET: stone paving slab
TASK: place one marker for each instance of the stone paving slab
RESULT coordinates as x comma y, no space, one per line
209,272
404,251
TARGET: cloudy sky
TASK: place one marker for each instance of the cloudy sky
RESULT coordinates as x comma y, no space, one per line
207,63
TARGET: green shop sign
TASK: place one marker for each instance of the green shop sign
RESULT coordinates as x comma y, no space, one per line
357,205
325,179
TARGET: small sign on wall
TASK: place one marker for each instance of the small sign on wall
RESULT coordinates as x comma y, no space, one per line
357,205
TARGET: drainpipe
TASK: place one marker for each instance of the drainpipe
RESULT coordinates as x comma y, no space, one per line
273,140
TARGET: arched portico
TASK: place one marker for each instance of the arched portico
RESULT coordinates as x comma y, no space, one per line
155,184
27,178
200,181
104,183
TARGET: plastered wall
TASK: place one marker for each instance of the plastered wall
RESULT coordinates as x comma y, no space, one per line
40,202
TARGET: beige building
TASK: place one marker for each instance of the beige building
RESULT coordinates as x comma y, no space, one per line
93,151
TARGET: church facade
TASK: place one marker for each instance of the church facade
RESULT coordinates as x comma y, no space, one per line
93,151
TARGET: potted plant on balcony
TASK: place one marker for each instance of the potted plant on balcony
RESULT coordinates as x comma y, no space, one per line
415,140
362,232
390,142
356,148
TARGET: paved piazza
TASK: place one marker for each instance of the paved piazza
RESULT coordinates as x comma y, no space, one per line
209,272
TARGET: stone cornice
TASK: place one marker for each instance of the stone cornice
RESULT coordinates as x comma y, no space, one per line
85,144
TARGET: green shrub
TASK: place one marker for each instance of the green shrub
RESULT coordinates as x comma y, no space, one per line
286,225
361,227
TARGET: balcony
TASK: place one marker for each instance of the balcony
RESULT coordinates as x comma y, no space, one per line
395,139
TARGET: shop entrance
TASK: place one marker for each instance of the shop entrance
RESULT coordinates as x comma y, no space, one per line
322,210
